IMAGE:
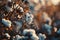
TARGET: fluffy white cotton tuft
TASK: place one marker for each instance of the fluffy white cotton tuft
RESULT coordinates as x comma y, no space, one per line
42,36
6,22
7,35
28,30
32,32
29,18
18,37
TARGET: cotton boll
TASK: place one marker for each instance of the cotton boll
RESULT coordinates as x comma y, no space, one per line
29,18
21,9
25,31
28,30
7,35
55,29
18,37
34,37
42,36
32,32
6,22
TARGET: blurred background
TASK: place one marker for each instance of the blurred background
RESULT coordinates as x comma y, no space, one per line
29,19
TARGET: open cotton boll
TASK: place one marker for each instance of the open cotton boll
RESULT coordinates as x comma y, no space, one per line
21,9
28,30
6,22
18,37
34,37
7,35
19,16
29,18
55,29
42,36
32,32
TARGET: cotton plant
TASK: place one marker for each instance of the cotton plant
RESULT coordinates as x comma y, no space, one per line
32,32
7,23
21,8
19,16
28,30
